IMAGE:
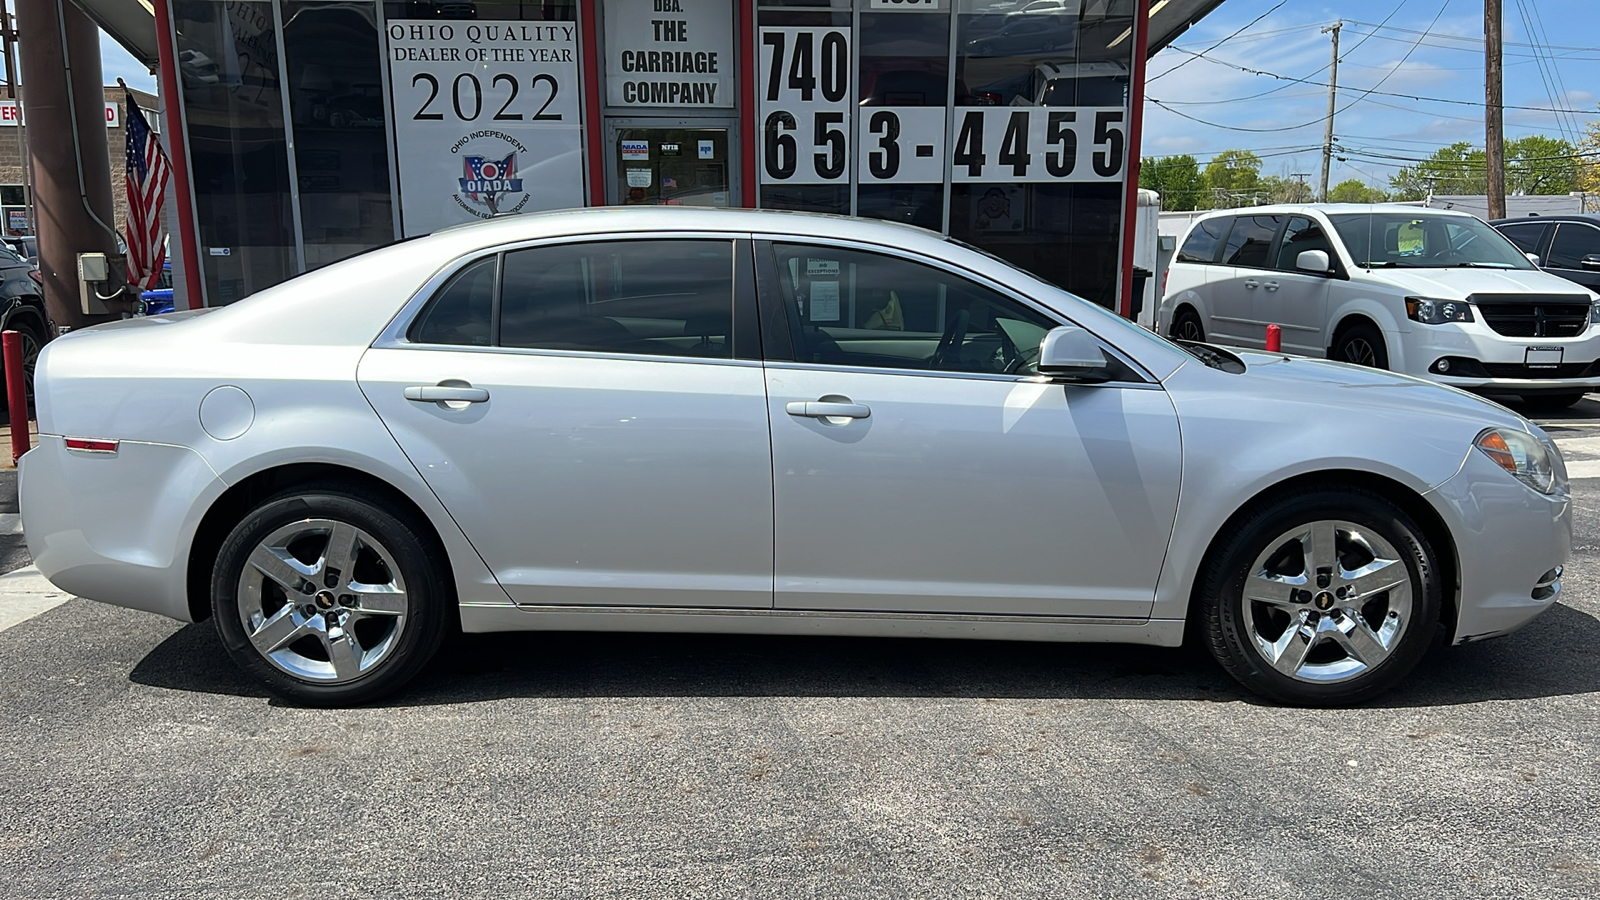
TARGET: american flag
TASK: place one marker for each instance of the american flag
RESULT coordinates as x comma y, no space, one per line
147,184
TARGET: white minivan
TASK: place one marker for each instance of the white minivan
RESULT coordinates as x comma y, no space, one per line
1433,293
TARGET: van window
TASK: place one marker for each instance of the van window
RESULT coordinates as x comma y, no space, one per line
1201,246
1573,242
1250,242
1301,235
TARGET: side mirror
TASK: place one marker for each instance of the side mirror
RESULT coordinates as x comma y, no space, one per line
1073,354
1534,258
1591,262
1313,261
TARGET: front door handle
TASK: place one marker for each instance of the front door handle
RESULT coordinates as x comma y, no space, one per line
826,409
1252,284
446,393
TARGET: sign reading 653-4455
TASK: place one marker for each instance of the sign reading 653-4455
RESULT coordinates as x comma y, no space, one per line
806,99
1039,143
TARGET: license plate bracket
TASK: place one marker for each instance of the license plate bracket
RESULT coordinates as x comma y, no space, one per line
1543,357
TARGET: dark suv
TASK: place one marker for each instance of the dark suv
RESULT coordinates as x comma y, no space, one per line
22,310
1568,246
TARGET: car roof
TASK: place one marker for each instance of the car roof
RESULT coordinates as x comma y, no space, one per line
623,219
1336,208
1590,218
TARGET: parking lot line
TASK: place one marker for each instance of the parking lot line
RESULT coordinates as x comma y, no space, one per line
24,594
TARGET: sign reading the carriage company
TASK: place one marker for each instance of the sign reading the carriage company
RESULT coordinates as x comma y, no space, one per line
673,53
486,119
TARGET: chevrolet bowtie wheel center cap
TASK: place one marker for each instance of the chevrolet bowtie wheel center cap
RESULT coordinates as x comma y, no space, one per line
324,600
1323,600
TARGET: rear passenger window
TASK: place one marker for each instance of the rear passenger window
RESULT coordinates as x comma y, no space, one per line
1301,235
665,298
1250,242
1572,244
1201,245
461,311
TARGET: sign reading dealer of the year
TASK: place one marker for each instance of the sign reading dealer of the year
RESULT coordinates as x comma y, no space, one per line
674,53
486,119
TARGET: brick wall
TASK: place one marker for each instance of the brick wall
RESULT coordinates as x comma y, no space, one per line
11,157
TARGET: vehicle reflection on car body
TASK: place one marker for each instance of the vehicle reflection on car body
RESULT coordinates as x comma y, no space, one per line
667,419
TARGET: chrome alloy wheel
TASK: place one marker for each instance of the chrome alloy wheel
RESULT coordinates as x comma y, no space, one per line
1327,602
1187,329
1358,351
322,600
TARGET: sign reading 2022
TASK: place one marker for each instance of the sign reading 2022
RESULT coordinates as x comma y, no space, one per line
471,94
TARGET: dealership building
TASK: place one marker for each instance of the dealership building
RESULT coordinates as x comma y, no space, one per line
307,130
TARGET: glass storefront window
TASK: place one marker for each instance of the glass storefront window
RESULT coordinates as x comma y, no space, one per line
337,107
233,109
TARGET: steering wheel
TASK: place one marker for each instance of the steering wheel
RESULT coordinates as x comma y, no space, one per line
954,334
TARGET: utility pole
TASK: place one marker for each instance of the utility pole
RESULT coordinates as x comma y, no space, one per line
1333,91
1494,111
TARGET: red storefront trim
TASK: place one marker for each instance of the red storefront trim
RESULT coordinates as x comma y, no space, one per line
1141,40
747,118
172,101
594,138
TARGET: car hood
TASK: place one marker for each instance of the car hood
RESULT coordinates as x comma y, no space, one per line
1456,284
1294,415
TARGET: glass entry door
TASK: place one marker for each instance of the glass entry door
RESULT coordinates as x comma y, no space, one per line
670,166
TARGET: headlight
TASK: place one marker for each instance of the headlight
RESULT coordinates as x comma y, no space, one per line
1594,312
1527,458
1437,312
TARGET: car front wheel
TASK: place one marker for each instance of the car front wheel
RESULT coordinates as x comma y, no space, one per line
330,597
1324,598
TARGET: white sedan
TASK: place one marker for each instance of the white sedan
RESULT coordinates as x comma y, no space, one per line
756,422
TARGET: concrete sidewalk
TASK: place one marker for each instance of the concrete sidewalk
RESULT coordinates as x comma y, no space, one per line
24,594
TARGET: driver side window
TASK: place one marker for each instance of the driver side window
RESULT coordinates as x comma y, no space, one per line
854,308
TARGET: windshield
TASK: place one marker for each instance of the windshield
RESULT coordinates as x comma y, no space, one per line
1406,240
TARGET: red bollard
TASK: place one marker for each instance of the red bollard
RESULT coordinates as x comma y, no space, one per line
16,394
1274,339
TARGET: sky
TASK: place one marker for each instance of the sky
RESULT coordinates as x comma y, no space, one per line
1428,48
1446,63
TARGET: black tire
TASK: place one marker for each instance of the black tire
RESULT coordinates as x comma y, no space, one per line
1231,625
415,562
1552,402
1186,326
1362,344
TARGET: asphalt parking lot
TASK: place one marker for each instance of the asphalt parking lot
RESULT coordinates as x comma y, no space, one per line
139,762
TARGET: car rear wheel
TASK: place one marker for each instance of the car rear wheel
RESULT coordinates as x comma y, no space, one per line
330,597
1551,402
1323,598
1186,326
1363,345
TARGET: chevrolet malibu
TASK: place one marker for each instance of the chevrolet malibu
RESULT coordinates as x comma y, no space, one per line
677,420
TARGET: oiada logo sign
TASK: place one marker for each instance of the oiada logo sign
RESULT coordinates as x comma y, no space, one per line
489,184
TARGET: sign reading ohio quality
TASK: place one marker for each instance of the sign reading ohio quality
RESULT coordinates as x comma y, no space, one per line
485,119
675,53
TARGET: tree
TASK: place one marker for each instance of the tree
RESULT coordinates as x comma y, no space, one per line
1535,164
1233,177
1282,189
1541,165
1353,191
1176,178
1456,169
1589,167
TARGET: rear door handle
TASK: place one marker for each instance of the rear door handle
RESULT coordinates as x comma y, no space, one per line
442,393
1270,285
823,409
1252,284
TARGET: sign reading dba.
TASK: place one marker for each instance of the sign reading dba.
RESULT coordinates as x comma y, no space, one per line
673,53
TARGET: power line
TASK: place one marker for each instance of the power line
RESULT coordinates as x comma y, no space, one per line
1275,8
1307,81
